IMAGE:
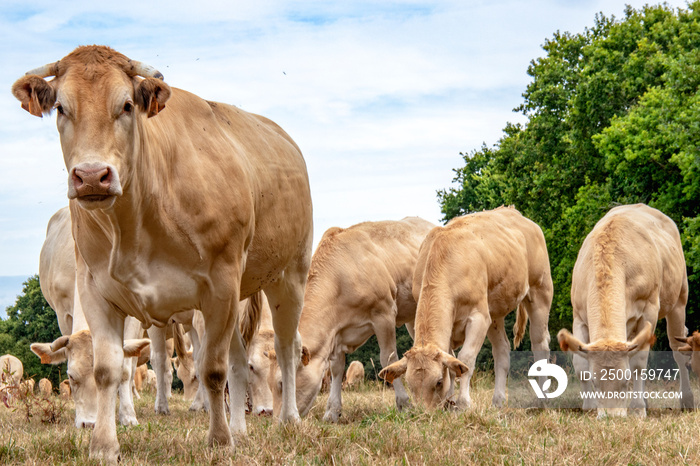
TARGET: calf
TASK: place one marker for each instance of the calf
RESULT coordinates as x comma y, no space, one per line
470,274
630,272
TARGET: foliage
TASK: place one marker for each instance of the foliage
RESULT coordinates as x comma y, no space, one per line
31,320
613,117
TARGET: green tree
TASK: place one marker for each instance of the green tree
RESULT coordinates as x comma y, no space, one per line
31,320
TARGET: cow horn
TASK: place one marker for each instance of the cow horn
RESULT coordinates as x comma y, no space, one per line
44,71
147,71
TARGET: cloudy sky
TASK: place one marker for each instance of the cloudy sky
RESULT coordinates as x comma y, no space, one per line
380,96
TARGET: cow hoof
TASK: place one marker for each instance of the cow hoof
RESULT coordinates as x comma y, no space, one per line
687,402
162,410
105,455
331,416
128,421
498,401
403,403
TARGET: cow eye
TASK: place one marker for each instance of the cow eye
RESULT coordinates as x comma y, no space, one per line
128,107
59,108
252,369
439,384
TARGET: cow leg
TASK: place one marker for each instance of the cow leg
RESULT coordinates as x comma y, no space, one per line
476,329
675,326
386,337
537,304
160,361
286,297
201,401
501,359
218,332
237,383
334,406
638,363
411,330
107,329
127,413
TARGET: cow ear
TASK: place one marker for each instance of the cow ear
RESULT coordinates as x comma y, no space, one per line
454,364
35,94
133,348
568,342
644,339
394,371
305,356
685,348
47,355
151,95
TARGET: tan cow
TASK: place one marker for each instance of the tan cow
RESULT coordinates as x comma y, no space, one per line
58,284
259,364
184,363
64,389
45,387
355,375
11,373
470,274
194,205
630,272
359,285
139,377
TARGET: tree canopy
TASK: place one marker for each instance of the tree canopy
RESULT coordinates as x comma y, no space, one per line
613,117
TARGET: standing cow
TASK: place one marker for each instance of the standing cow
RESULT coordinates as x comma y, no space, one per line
11,373
630,272
359,286
197,205
470,274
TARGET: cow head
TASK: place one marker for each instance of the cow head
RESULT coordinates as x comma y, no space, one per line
184,363
304,396
608,356
428,371
100,101
258,371
692,343
76,350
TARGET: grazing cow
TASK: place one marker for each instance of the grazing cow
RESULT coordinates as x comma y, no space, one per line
11,372
184,363
58,284
259,364
45,387
355,375
359,285
150,380
64,389
196,205
692,343
470,274
630,272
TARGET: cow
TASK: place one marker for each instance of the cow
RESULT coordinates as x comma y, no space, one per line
259,364
630,272
150,379
28,386
359,285
11,373
64,389
355,375
45,387
58,285
692,343
139,377
184,363
193,205
470,274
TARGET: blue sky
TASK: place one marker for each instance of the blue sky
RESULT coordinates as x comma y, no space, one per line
381,96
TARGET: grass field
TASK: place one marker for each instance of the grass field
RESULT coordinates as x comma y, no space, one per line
372,432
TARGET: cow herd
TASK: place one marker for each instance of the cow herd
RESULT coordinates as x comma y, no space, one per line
193,219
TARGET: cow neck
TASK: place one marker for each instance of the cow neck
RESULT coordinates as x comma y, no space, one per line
434,318
317,329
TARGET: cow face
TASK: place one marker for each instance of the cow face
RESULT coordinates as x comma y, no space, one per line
76,350
99,103
184,365
274,381
605,357
428,371
259,370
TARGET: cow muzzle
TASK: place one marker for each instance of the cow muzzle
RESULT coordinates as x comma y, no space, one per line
94,184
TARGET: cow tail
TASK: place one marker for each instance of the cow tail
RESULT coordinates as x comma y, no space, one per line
520,325
179,340
250,320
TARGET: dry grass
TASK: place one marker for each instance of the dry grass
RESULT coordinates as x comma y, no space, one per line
371,431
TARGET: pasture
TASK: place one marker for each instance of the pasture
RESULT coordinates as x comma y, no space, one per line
371,431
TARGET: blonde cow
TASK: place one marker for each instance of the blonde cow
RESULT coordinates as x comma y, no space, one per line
630,272
11,373
355,375
359,285
45,388
470,274
177,203
64,389
58,284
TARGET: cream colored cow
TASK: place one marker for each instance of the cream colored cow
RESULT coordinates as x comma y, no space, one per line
45,387
75,347
630,272
355,375
470,274
359,285
195,205
11,373
64,389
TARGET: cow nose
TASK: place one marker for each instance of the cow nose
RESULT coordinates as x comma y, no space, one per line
92,180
